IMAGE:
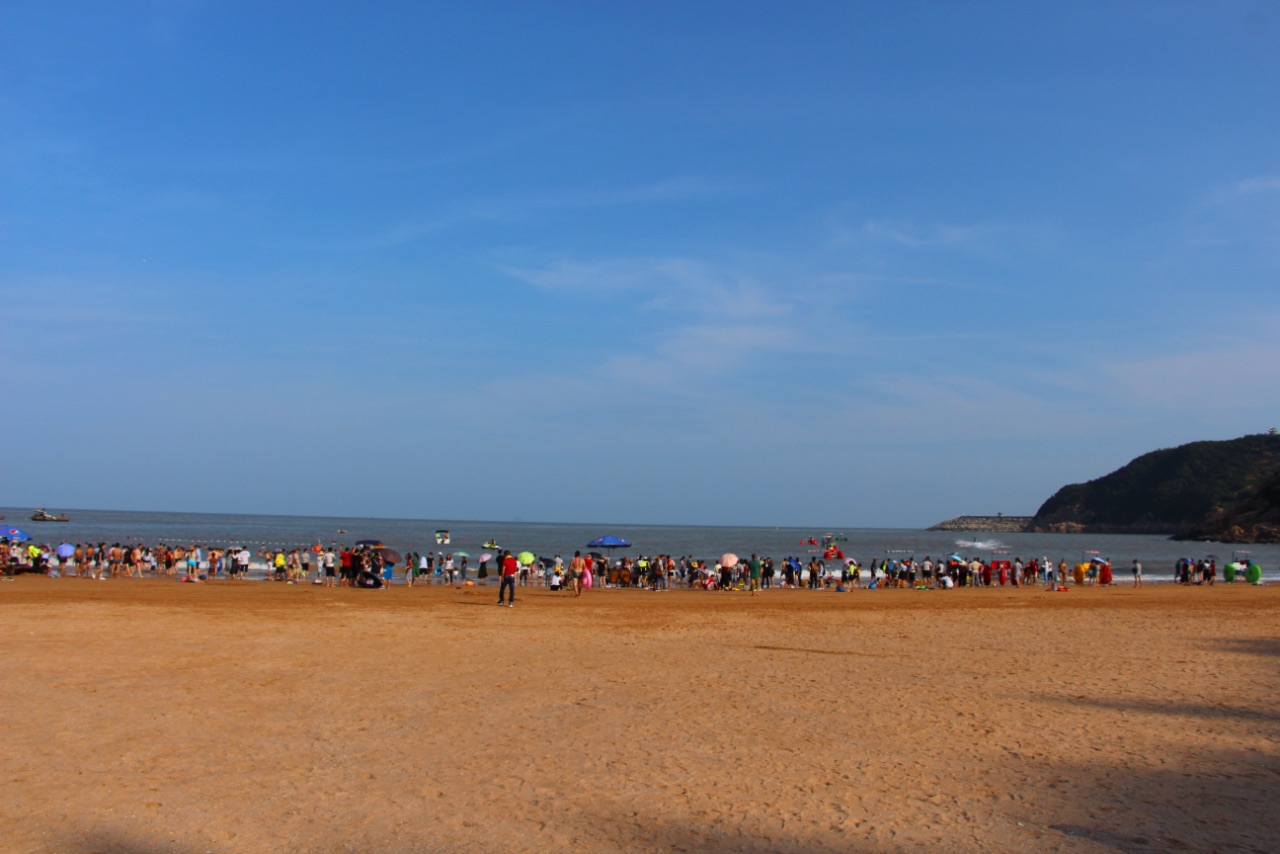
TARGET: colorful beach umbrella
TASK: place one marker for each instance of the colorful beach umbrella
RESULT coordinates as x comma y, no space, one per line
17,534
485,557
66,550
728,560
525,558
609,542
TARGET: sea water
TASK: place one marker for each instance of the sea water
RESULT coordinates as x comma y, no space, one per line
546,539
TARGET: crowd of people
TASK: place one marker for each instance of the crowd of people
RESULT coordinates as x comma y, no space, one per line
372,565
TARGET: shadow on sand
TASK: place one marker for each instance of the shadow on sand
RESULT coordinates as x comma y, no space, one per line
1198,799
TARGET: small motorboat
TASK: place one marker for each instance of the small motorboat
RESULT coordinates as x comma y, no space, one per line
42,515
492,544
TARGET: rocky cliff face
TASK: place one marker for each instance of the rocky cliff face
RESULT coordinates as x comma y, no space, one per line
1166,491
1254,520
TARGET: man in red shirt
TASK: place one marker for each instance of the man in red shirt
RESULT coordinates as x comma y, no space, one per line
510,566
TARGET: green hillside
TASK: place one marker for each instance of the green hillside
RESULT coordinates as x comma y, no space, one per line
1165,491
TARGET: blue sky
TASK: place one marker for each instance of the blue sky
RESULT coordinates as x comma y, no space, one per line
850,264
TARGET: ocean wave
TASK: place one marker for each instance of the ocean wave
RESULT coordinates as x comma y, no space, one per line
981,545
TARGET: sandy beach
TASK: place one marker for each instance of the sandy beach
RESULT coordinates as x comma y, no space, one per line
150,716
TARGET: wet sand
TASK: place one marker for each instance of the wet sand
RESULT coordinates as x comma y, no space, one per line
150,716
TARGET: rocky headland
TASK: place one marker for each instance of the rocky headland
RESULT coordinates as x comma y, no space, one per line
999,524
1254,520
1223,491
1170,491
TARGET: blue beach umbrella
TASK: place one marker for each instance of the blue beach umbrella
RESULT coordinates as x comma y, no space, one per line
15,534
608,542
66,550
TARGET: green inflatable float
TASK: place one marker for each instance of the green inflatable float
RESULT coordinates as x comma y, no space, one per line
1253,574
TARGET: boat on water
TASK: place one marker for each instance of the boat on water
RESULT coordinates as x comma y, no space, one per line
492,544
42,515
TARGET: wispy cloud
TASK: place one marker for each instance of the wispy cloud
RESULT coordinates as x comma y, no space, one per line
1245,212
682,359
964,237
704,323
519,208
76,306
682,286
1204,377
981,238
1255,186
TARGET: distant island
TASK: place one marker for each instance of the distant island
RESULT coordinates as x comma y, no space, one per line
1222,491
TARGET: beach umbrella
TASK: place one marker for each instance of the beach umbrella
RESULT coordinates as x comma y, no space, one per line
728,560
17,534
66,550
608,542
388,555
462,554
485,557
525,558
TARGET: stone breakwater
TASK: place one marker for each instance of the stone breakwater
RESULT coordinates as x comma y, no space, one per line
995,524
